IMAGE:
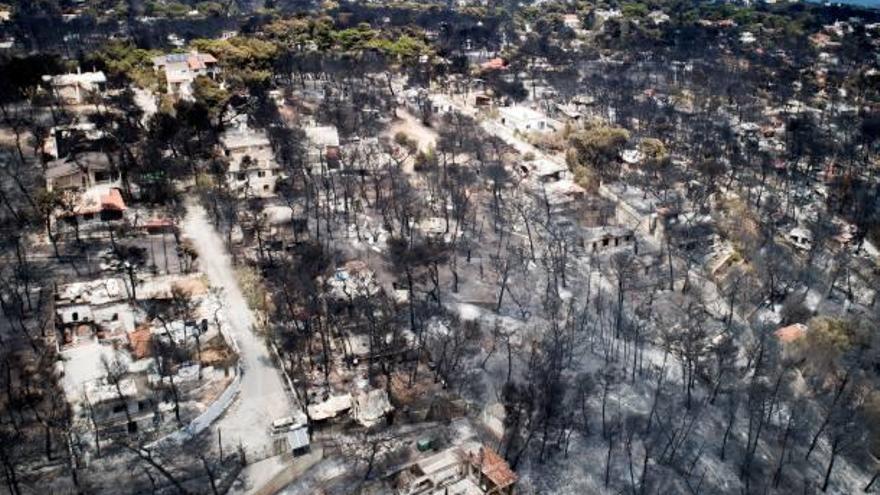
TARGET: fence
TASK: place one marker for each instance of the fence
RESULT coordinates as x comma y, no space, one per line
291,472
204,420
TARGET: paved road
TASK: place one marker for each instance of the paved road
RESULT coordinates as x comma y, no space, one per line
263,397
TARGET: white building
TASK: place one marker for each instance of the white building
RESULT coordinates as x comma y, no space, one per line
62,138
81,171
571,21
181,69
101,304
526,120
658,17
73,88
467,469
90,186
252,167
322,147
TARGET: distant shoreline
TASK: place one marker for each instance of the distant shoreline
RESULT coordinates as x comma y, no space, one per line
872,4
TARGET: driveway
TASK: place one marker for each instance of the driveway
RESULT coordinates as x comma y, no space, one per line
263,397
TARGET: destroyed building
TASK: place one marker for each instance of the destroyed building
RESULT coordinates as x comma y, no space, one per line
253,171
73,88
468,469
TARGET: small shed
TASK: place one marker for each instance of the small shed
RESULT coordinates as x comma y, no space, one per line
159,226
298,441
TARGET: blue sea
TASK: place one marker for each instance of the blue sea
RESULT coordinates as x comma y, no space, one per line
864,3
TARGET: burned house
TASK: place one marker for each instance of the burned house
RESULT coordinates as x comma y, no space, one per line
371,408
75,137
253,170
322,148
331,407
89,185
525,120
96,207
352,280
544,171
568,114
81,172
283,226
688,231
113,371
74,88
435,229
800,238
98,308
600,239
633,208
120,410
468,469
563,197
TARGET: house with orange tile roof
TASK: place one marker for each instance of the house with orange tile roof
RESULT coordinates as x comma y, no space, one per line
467,469
96,204
89,186
491,472
181,69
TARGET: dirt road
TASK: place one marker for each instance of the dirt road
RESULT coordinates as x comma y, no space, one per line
263,397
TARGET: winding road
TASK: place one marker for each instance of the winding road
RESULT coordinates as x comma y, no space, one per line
262,398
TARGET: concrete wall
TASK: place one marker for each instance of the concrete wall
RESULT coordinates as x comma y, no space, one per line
215,410
204,420
259,186
629,217
72,181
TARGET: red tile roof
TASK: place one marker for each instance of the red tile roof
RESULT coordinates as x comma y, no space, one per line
496,63
155,223
141,342
198,61
791,333
95,201
332,153
195,63
494,467
113,201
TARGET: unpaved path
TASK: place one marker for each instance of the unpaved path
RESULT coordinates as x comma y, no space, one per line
263,397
